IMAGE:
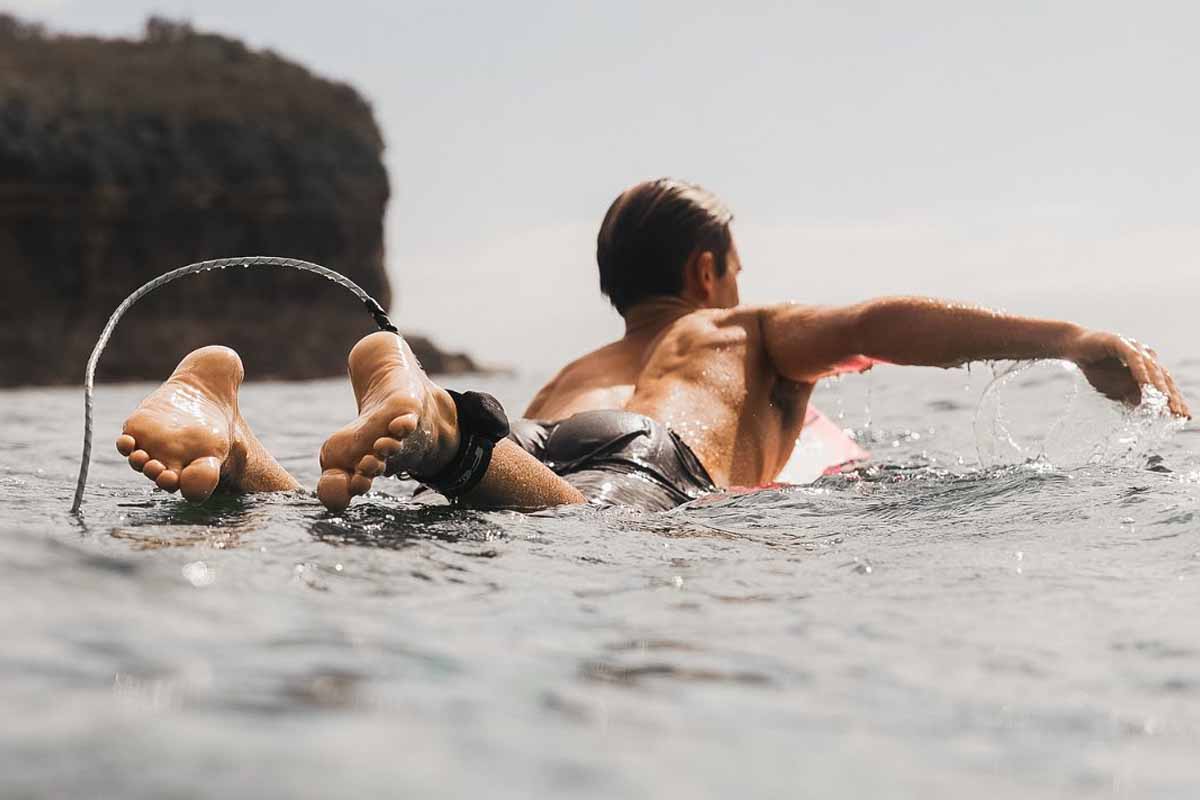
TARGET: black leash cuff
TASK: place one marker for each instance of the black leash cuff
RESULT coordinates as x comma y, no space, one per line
481,423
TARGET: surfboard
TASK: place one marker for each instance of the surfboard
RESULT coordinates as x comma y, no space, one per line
822,449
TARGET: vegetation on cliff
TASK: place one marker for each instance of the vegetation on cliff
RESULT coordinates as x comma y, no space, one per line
122,159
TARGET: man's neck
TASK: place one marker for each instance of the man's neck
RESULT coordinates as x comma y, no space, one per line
649,317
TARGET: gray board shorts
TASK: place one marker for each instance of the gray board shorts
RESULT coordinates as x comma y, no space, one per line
617,458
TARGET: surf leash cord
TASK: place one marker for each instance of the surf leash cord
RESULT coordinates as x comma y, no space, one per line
89,379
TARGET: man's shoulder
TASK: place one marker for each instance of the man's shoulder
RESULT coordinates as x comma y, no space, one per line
759,315
713,328
717,320
742,313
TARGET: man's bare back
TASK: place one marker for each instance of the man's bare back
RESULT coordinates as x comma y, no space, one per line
702,372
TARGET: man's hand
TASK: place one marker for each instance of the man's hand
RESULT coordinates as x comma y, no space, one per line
1118,368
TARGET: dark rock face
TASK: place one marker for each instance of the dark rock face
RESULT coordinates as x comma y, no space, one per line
120,160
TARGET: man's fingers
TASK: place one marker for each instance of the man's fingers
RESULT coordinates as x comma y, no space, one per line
1162,380
1179,406
1137,370
1174,401
1136,365
1157,379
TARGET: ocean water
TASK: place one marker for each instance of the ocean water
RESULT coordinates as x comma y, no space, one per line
1003,603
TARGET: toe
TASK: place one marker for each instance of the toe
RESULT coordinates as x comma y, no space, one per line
370,466
337,452
126,444
359,484
153,468
138,460
386,447
333,489
402,425
199,479
168,480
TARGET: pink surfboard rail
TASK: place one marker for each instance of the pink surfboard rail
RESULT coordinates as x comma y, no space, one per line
824,448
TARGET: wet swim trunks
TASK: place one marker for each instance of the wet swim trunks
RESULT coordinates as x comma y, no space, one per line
617,458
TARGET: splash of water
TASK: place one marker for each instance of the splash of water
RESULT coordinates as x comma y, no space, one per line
1087,428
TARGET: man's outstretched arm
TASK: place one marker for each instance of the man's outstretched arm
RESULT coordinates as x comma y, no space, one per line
806,343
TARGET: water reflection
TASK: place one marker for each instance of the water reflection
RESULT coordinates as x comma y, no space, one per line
396,527
224,522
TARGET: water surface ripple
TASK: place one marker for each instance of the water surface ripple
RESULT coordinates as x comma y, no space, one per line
921,627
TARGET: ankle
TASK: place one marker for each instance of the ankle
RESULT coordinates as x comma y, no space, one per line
447,440
251,468
233,468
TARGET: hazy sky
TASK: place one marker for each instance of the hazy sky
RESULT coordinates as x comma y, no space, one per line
1038,155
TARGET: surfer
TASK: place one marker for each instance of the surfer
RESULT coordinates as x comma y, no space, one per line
700,393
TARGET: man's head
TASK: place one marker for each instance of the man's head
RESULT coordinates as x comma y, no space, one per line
667,238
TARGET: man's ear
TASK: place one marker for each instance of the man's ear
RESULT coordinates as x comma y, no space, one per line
706,273
700,276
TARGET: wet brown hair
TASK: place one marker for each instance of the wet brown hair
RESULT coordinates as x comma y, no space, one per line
650,232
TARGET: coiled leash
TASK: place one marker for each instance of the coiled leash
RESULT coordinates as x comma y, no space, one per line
480,422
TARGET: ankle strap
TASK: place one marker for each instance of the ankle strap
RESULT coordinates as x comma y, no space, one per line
481,423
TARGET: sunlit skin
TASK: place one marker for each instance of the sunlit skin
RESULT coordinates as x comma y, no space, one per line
403,419
732,380
188,435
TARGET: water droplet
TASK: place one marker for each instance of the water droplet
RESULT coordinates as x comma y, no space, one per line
198,574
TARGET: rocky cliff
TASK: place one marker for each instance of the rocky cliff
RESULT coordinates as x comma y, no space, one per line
122,159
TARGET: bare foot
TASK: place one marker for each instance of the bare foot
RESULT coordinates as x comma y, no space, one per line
404,421
189,436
